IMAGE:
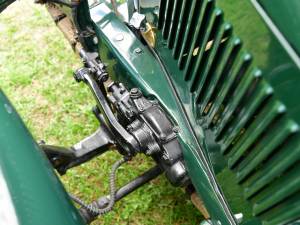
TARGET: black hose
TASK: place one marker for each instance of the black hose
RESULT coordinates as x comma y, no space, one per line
112,198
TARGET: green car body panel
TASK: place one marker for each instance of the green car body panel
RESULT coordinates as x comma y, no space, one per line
239,97
227,72
36,194
285,15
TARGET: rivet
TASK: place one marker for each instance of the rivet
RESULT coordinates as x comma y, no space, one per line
119,37
138,51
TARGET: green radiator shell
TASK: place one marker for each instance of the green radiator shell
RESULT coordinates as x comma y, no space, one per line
231,85
233,103
238,77
117,46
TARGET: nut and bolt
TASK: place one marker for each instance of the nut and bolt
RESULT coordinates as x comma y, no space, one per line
163,137
79,74
135,93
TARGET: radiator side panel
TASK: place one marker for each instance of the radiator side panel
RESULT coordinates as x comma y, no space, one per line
239,86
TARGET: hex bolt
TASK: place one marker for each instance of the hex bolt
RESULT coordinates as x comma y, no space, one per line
104,78
163,137
135,93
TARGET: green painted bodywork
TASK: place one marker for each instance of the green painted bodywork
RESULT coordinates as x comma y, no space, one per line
117,44
37,194
212,171
260,49
286,16
203,155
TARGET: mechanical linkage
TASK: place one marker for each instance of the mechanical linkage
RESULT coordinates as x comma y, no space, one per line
130,123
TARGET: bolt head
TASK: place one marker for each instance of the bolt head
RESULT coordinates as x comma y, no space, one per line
163,137
135,93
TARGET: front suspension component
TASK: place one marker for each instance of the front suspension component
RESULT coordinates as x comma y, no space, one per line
141,125
132,124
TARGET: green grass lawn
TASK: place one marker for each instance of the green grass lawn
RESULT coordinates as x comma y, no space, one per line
36,66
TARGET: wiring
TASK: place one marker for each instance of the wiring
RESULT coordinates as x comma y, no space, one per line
112,198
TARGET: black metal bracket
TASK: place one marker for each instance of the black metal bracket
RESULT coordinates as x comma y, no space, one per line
63,159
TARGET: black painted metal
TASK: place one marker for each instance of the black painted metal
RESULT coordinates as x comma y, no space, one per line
63,159
128,188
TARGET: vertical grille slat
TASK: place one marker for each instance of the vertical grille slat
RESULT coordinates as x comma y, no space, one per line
263,120
202,46
200,27
277,165
238,94
214,54
247,112
279,192
240,68
184,13
230,76
189,31
161,17
174,23
265,147
220,70
167,20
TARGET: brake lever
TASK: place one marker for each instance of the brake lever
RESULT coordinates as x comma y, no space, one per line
94,75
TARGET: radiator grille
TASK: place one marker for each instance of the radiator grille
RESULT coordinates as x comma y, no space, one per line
260,142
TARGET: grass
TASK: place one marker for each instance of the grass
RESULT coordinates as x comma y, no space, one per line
36,66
